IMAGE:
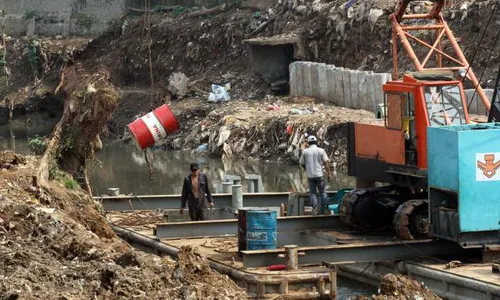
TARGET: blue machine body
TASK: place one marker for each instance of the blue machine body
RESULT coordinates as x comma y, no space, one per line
464,182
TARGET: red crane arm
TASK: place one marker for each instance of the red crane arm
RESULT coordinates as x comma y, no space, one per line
403,4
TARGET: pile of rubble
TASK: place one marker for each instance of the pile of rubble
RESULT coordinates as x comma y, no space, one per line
398,287
54,244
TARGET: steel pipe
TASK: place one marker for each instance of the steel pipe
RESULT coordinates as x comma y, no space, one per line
136,239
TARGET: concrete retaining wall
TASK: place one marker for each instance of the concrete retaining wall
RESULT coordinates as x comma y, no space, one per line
85,17
342,87
351,88
61,17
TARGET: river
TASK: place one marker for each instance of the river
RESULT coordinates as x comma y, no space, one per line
123,166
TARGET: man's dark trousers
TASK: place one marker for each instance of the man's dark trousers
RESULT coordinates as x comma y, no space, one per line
198,213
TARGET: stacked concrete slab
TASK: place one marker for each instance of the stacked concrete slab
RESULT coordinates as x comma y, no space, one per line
474,103
342,87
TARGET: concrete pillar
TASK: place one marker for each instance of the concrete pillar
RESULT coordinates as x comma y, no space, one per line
323,82
256,183
237,199
339,87
299,69
355,102
226,187
293,78
234,179
346,85
293,205
307,70
330,85
362,91
378,81
292,257
30,31
469,95
370,91
315,84
251,186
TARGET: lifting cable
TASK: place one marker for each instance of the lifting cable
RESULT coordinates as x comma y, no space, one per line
479,43
485,66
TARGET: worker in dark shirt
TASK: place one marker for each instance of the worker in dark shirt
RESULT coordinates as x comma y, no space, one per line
196,193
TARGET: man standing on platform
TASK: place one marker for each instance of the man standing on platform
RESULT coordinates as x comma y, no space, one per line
313,159
196,193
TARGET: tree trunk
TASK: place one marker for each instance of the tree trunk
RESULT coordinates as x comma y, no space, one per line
75,138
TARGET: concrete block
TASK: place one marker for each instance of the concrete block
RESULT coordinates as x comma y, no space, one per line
323,82
378,81
330,86
473,99
15,25
364,101
355,101
30,30
480,106
292,68
370,91
315,85
339,87
308,84
346,83
300,78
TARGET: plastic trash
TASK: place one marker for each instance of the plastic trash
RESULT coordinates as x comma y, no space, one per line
295,111
219,93
202,147
273,107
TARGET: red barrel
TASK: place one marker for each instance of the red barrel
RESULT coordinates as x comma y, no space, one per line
154,126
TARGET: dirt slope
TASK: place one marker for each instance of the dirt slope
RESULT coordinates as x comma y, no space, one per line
54,245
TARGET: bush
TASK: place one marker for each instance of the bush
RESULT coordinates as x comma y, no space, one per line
30,14
71,184
37,145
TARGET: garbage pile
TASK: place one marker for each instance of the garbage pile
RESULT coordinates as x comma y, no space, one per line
272,130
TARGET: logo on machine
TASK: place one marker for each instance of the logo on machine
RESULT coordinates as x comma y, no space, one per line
487,167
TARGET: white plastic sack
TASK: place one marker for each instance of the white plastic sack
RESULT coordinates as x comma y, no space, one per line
218,94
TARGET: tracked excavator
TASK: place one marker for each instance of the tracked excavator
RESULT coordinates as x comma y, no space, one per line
393,150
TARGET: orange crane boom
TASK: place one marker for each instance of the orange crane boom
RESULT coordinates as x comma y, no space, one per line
445,60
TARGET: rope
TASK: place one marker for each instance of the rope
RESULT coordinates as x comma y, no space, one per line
150,166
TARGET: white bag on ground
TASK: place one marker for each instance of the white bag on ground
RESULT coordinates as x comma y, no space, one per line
219,94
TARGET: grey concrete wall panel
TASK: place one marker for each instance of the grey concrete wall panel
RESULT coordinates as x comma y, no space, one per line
324,84
315,86
330,86
307,70
364,101
293,79
355,103
339,87
346,83
370,91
